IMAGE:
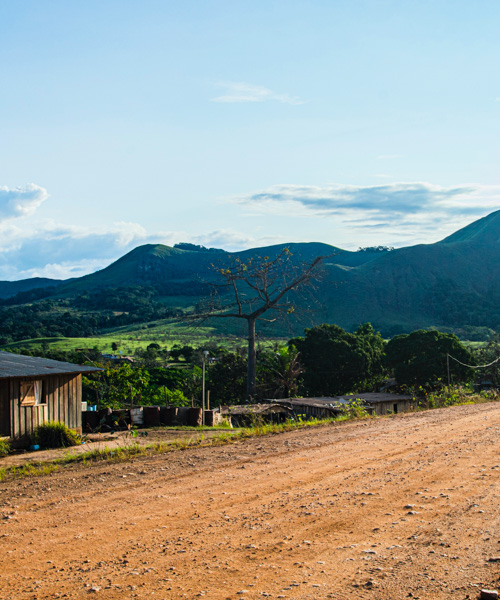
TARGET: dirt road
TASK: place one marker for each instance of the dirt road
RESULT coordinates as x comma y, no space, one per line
385,509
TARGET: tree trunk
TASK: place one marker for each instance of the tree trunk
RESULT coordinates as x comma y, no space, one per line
252,362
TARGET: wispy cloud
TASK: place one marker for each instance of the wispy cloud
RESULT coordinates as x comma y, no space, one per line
232,240
21,201
246,92
418,207
391,199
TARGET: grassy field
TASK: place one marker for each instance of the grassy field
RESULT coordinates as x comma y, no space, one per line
130,338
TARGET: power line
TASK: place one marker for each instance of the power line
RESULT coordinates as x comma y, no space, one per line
474,366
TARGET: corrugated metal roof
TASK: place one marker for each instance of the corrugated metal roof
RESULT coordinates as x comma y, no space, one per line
370,397
17,365
246,409
373,397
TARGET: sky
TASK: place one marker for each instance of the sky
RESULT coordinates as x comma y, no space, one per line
242,123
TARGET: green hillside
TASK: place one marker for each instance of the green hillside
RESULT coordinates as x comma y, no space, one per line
11,288
454,284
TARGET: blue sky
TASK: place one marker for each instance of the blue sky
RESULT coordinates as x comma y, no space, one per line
238,124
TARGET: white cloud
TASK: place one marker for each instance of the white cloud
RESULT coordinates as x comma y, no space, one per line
21,201
233,241
346,216
246,92
66,270
62,251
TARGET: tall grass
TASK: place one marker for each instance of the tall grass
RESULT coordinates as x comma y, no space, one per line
4,447
54,434
454,396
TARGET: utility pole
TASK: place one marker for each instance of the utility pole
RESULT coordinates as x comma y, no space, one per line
204,358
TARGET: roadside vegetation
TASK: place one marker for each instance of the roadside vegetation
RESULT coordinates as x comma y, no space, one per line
325,361
132,448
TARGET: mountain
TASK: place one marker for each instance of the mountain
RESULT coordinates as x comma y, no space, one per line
454,283
9,289
176,271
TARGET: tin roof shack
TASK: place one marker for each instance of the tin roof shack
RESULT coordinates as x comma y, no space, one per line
35,390
250,414
313,408
383,403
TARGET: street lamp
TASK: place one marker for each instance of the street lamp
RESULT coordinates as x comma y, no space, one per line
204,358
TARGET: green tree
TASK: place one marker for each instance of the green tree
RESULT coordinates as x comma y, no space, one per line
337,362
162,396
490,355
226,379
114,387
421,359
279,372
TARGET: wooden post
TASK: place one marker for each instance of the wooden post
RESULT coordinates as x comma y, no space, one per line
203,390
208,399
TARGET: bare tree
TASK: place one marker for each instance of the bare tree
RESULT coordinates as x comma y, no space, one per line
256,286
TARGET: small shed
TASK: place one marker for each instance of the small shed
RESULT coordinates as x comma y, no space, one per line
384,403
377,403
36,390
312,408
244,415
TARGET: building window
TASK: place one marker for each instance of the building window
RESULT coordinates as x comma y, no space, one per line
31,393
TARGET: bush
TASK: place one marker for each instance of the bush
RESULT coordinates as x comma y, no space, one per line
4,448
54,434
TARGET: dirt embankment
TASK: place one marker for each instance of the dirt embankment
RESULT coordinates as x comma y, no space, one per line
401,507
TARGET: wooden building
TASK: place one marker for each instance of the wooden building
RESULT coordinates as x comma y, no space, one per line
36,390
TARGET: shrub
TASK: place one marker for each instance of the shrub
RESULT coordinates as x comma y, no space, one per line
54,434
4,448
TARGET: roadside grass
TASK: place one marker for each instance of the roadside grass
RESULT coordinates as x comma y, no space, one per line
454,396
444,398
133,450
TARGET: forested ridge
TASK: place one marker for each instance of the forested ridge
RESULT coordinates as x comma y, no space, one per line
453,285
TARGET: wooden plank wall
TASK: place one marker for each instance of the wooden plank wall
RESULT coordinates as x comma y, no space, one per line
4,408
63,396
387,408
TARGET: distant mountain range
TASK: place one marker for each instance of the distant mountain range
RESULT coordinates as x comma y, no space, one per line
454,283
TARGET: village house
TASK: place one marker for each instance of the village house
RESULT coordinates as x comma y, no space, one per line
36,390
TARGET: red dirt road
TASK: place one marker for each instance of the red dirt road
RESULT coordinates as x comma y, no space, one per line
385,509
